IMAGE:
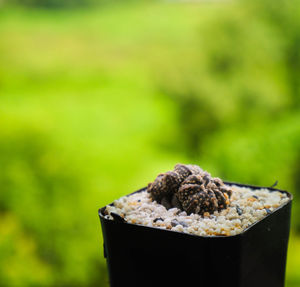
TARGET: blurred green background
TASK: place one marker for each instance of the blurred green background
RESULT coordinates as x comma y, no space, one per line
98,97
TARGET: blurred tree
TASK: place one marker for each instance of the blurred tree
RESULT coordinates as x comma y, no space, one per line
16,248
53,3
240,79
43,213
59,4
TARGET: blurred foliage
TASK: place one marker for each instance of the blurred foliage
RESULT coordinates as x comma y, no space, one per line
53,4
94,103
239,74
236,94
41,194
62,4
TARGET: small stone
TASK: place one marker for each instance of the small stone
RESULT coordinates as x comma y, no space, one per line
174,222
268,210
239,210
157,219
183,223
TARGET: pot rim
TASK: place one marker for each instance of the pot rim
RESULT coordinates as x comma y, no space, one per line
272,189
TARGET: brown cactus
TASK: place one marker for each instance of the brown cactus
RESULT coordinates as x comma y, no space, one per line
190,188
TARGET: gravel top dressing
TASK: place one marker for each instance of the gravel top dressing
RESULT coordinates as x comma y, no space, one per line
189,200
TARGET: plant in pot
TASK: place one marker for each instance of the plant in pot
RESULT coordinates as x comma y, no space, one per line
187,228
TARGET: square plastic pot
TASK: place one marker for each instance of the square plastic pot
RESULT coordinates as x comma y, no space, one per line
148,256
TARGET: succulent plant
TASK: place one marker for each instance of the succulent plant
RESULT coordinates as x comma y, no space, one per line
201,193
191,189
166,184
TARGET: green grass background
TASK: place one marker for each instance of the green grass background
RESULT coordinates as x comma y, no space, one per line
95,102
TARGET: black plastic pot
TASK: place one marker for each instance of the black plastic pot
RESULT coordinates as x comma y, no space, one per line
148,256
